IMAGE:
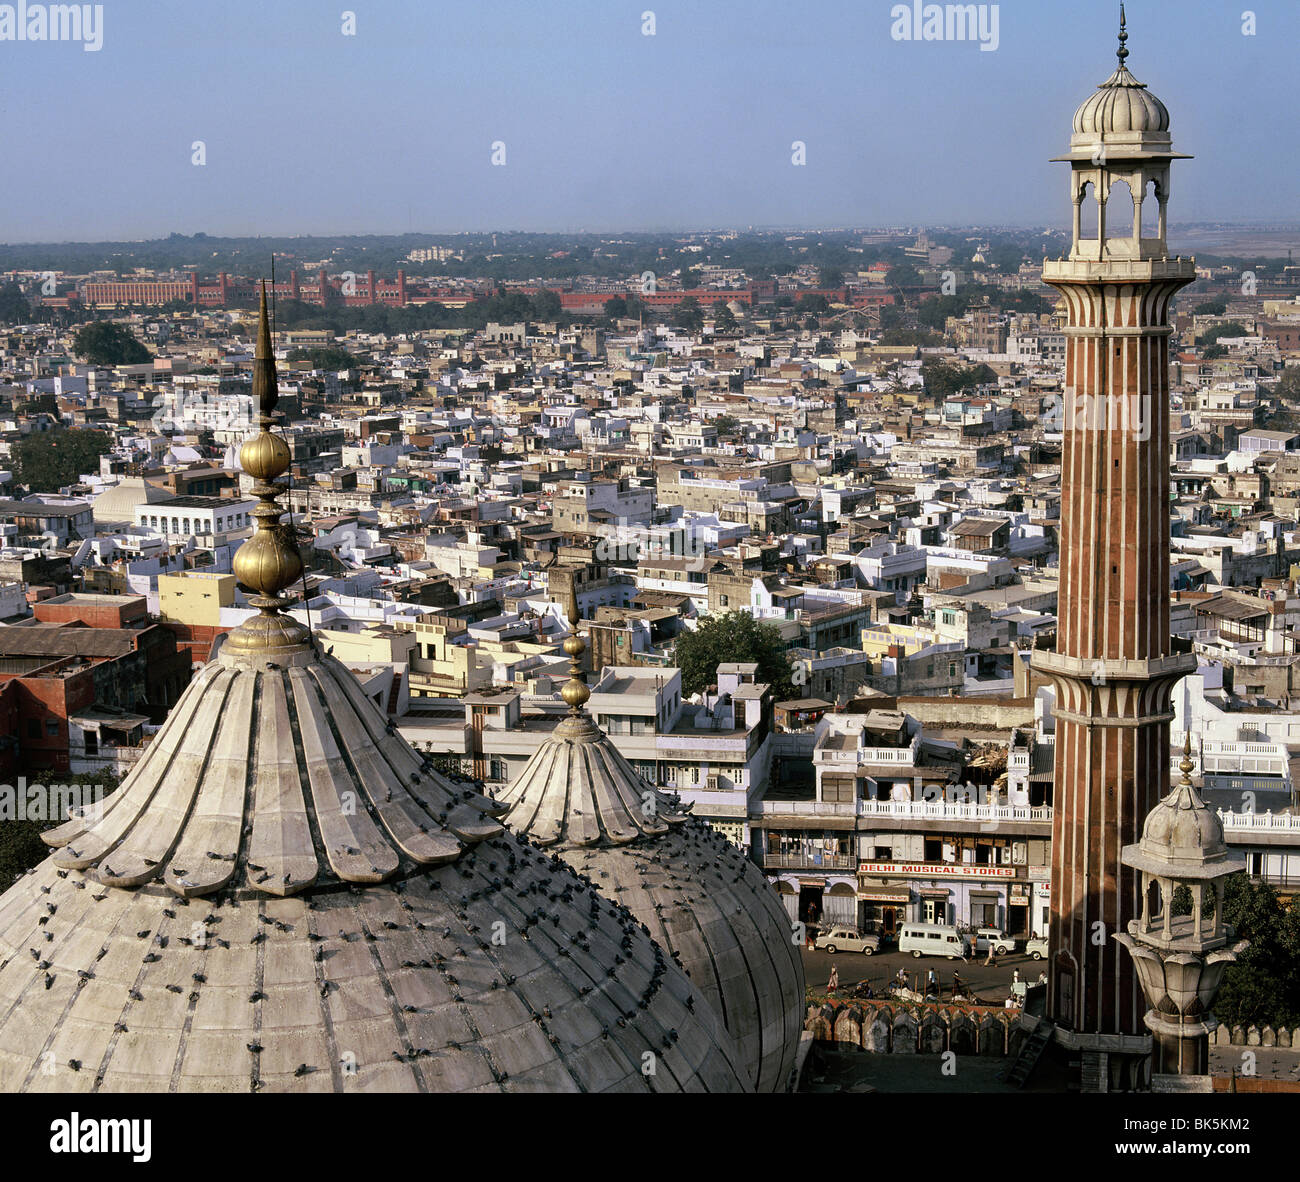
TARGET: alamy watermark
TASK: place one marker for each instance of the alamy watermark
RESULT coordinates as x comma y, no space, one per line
54,22
946,22
50,802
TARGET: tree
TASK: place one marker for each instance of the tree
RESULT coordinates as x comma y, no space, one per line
734,636
1262,987
1288,385
1210,308
50,460
813,303
688,316
724,319
326,357
1230,328
1212,352
105,343
830,277
616,307
14,308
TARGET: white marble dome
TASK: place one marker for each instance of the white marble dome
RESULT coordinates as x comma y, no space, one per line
283,897
697,894
1121,105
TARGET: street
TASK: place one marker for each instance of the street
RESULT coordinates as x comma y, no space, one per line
991,983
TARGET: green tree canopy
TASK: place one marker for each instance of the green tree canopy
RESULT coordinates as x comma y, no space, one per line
49,460
687,315
616,307
104,343
1230,328
1210,308
734,636
328,357
943,380
14,308
1263,986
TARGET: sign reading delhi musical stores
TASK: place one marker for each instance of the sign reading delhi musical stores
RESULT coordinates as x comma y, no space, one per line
936,869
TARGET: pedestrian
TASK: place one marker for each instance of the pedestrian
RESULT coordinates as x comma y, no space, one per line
932,983
988,959
834,982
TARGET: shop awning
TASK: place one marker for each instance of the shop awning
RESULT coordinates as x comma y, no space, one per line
993,895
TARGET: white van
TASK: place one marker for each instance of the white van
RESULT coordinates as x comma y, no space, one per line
933,939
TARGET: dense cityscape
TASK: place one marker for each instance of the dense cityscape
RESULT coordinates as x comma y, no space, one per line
753,659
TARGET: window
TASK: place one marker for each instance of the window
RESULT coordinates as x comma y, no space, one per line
51,728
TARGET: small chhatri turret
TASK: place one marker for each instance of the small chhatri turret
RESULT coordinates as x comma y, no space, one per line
1181,958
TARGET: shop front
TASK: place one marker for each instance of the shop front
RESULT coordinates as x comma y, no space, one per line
1018,910
939,892
884,907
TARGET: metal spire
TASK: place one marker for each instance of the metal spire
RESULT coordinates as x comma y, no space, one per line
269,561
575,690
1122,52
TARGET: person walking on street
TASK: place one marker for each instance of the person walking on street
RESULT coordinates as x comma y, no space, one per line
932,983
988,959
834,982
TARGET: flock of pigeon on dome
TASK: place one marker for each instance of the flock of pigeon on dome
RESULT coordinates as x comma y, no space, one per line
284,896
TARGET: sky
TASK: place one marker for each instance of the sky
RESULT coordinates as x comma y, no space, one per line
307,128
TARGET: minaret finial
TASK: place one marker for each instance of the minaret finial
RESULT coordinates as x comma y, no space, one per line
1186,765
269,561
1122,52
575,690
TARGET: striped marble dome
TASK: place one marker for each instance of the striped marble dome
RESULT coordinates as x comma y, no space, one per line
698,895
282,896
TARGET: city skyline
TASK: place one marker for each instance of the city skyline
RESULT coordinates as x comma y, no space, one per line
655,119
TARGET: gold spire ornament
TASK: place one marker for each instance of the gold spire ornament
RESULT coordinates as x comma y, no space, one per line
575,691
269,561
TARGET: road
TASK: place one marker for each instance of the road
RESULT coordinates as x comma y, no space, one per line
991,983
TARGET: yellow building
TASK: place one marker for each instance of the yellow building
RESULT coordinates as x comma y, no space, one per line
195,598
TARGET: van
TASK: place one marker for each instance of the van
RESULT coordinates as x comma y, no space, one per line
933,939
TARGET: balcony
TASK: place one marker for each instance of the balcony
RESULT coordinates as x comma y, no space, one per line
954,811
809,862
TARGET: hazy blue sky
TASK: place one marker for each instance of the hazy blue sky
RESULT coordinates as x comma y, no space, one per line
390,130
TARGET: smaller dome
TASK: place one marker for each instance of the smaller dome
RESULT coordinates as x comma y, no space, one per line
1181,830
1121,104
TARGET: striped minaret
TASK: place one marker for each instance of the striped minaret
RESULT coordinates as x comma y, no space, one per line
1114,669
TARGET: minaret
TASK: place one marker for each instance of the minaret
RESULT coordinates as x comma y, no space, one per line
1114,668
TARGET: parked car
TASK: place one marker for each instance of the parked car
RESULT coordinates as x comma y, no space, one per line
1002,943
1037,947
841,939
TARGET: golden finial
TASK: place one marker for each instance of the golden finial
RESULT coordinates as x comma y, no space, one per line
269,561
1186,765
575,691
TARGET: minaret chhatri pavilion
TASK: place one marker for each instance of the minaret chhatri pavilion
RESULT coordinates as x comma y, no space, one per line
1114,668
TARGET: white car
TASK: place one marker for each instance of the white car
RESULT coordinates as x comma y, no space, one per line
848,940
1037,947
1002,943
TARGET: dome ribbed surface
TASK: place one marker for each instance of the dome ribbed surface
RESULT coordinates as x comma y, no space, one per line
279,897
698,895
1121,104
